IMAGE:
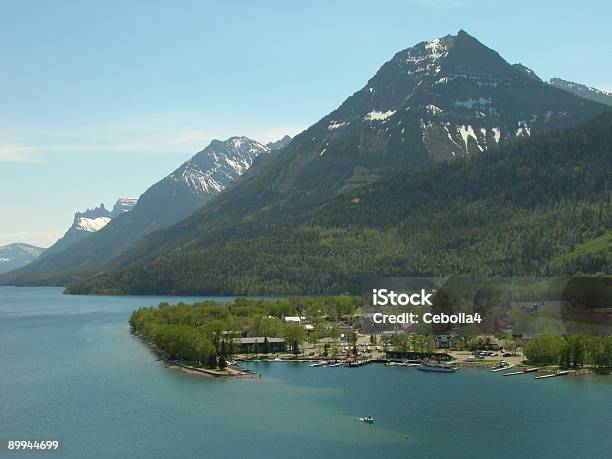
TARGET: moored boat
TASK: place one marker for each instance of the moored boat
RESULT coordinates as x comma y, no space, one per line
438,367
503,366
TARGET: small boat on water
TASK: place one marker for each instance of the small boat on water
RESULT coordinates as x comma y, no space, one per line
355,364
337,364
553,375
322,363
437,367
367,420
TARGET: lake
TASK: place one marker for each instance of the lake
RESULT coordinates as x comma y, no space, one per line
70,370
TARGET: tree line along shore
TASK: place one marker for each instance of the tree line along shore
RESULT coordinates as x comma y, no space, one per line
210,334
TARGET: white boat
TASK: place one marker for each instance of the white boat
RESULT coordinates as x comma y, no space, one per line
322,363
337,364
367,420
503,367
438,367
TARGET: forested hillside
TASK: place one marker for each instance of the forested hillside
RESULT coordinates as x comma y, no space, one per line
528,208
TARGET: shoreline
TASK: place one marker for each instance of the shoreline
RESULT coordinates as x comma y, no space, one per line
472,365
232,372
228,372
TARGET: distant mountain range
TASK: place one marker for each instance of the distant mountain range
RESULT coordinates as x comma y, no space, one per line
13,256
285,226
537,207
167,202
439,100
581,90
88,222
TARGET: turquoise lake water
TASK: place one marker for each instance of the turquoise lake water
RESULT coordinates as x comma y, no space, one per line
70,370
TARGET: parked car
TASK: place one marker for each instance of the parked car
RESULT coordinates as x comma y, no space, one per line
507,354
311,354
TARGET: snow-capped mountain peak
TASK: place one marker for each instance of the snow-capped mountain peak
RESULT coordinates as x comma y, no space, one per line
453,96
123,205
217,165
90,221
581,90
13,256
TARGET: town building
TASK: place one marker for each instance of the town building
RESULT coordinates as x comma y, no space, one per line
256,345
446,341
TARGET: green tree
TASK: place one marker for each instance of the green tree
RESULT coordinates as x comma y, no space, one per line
294,335
401,342
544,350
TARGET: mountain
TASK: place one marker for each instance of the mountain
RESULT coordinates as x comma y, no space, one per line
527,71
123,205
439,100
13,256
581,90
88,222
165,203
533,207
279,143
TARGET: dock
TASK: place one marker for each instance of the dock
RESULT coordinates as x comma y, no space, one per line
553,375
522,372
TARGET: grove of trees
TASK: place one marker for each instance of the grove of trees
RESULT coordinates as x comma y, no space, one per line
571,351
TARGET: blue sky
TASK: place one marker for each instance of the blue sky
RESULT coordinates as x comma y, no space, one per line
100,99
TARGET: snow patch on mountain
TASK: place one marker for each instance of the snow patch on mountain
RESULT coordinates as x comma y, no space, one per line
523,129
496,134
379,116
92,225
433,110
336,125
